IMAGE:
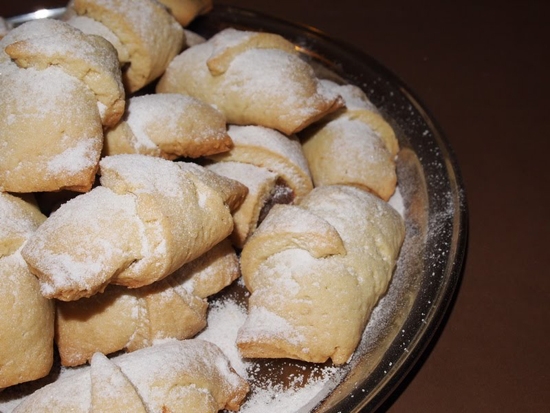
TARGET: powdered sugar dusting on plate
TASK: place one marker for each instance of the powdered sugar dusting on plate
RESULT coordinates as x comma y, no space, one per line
226,316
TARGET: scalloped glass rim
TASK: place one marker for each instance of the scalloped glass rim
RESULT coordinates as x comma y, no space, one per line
435,203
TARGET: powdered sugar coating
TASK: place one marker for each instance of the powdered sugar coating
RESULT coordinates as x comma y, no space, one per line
156,373
261,86
169,125
70,137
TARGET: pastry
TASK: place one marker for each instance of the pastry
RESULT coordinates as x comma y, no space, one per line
262,187
186,10
120,318
194,216
65,84
315,272
252,78
148,34
168,125
146,220
91,59
354,146
65,112
191,375
125,319
273,151
273,168
210,273
26,318
130,263
232,191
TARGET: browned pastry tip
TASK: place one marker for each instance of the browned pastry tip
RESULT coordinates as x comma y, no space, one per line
186,10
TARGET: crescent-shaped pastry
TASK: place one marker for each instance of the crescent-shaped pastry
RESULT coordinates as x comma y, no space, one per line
354,146
315,272
50,131
186,10
146,220
91,59
118,319
65,84
262,188
252,78
125,319
168,125
150,35
270,149
26,318
191,375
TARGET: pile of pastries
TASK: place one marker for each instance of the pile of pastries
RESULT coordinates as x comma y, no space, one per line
144,169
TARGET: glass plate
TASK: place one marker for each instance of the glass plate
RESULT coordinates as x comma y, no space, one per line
433,202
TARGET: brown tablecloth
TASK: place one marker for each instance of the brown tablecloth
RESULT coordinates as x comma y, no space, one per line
482,69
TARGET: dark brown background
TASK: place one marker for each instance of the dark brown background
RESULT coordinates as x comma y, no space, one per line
480,67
